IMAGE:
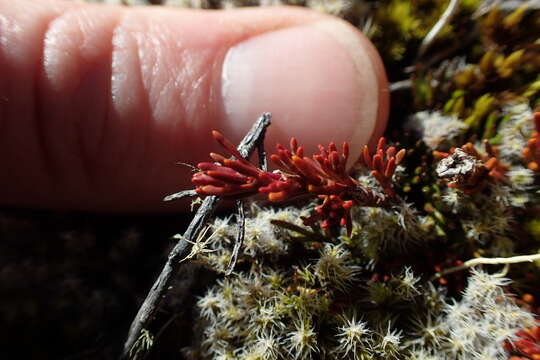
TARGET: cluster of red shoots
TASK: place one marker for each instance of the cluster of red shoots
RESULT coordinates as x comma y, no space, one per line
485,167
383,164
324,175
531,153
527,344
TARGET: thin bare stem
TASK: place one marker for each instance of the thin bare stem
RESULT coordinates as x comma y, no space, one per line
487,261
310,235
180,195
445,18
406,84
241,225
158,291
506,5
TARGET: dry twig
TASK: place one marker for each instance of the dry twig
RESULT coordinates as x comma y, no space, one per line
251,141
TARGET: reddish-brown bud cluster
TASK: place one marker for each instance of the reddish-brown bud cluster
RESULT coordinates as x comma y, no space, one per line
531,153
526,344
229,177
383,164
324,175
333,212
465,168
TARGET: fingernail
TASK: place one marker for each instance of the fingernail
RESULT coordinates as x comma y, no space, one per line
317,80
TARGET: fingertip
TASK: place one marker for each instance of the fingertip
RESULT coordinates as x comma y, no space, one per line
383,89
322,82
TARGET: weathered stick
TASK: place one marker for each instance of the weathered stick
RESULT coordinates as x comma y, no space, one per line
148,309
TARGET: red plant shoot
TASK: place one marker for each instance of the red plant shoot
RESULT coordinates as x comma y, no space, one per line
383,164
324,175
526,345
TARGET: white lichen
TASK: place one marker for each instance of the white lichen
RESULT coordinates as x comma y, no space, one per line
438,131
515,131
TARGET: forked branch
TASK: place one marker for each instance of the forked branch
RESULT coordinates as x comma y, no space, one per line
253,140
